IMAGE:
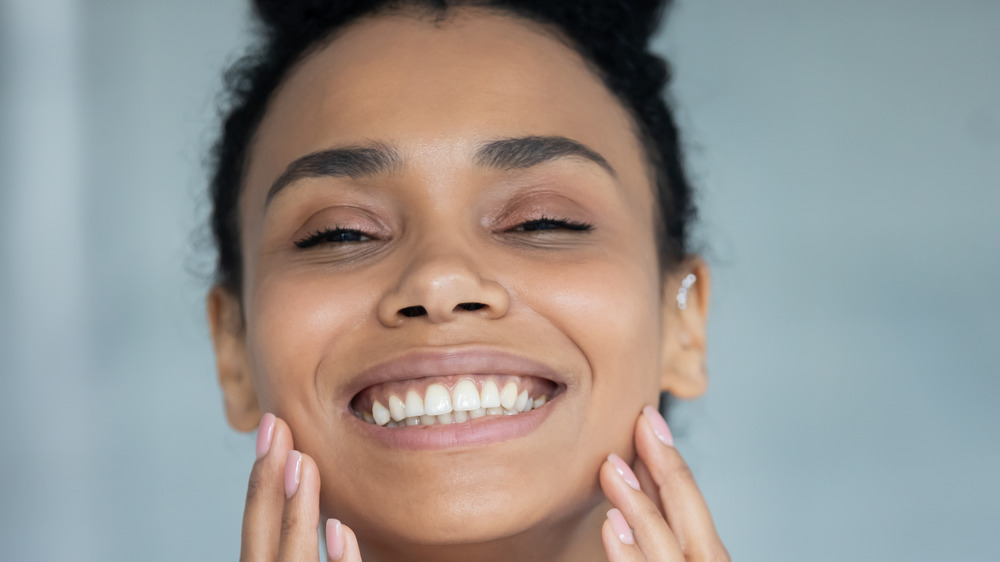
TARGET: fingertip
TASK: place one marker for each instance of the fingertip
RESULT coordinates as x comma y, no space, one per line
283,433
616,483
352,552
606,475
624,471
293,472
265,434
658,424
611,543
620,527
334,539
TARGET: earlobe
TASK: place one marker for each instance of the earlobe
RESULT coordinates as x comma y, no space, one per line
685,314
225,321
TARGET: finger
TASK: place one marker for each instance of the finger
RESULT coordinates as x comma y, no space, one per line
300,517
265,492
652,535
683,504
341,543
619,543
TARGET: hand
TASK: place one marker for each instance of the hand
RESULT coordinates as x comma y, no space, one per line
671,521
282,510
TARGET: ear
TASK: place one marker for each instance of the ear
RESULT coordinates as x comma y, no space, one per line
684,373
225,321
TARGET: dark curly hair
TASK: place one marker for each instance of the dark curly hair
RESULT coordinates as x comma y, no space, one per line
612,35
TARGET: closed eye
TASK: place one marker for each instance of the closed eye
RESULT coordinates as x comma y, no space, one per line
334,235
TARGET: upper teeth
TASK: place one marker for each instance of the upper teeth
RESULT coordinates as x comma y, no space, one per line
465,401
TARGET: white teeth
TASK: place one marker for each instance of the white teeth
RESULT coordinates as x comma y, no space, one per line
397,409
465,397
508,396
491,395
522,400
437,401
438,406
414,405
380,413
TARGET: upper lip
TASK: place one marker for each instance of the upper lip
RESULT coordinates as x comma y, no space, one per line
432,363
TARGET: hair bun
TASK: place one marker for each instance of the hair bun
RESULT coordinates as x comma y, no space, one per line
635,20
632,21
290,15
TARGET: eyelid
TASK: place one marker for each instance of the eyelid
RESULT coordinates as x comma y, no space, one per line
367,220
543,201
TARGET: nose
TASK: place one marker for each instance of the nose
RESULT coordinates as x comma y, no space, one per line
442,287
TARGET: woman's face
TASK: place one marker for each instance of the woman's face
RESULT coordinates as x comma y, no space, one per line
427,204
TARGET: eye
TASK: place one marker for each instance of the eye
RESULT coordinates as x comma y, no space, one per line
335,235
547,224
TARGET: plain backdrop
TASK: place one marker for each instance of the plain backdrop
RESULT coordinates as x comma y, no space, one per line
848,160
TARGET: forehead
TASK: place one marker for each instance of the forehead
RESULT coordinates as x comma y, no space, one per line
437,90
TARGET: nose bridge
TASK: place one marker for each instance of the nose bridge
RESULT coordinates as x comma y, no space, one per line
443,278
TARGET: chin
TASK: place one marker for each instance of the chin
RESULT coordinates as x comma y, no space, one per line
470,503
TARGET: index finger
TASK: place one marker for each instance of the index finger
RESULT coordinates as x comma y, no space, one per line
684,506
265,492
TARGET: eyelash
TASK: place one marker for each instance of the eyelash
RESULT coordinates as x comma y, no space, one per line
557,224
331,235
336,234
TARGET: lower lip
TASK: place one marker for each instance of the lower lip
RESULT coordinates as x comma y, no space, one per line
480,431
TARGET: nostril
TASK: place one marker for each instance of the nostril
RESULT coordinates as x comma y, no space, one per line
470,305
412,311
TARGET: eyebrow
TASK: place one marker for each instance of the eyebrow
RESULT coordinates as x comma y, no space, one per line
525,152
379,158
351,161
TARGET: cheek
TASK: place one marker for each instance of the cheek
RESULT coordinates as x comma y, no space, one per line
610,311
295,319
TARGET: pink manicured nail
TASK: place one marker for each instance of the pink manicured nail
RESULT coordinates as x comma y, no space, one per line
264,434
334,539
659,425
620,527
293,466
623,470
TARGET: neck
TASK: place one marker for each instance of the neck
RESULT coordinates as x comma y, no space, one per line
577,539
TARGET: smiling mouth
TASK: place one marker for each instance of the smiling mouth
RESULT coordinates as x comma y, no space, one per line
450,399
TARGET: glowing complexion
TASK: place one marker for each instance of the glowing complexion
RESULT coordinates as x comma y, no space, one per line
451,290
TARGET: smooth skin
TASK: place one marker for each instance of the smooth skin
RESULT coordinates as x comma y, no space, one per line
670,518
438,230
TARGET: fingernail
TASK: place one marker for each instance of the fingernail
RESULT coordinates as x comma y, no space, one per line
264,434
293,466
620,527
623,470
659,425
334,539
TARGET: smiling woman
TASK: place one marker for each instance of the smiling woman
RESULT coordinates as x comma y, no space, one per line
450,238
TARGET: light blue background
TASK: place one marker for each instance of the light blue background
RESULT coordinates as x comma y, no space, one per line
848,155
